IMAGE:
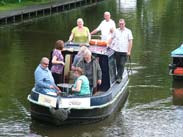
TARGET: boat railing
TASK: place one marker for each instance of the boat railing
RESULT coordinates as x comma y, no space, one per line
93,36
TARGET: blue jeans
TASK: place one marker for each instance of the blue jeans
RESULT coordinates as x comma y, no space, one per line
121,58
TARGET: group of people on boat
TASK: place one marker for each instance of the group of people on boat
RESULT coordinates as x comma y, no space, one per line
86,68
81,33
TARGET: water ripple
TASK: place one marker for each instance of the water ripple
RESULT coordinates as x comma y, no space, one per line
154,119
145,86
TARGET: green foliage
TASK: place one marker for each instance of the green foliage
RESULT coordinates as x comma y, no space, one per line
3,2
10,1
16,4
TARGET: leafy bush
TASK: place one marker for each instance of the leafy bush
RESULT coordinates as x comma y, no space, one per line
3,2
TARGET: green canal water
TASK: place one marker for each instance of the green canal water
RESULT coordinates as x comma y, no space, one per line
153,108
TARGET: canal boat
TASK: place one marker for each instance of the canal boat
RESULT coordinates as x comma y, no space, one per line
176,67
68,109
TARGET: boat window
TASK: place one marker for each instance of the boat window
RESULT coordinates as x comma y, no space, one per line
178,61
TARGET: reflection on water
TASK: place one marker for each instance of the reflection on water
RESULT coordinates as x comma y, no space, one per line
15,119
14,128
127,5
152,108
177,92
156,119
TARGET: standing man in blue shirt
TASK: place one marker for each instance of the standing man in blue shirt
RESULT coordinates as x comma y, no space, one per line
44,81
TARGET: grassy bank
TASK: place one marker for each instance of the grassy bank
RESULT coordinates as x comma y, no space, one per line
5,6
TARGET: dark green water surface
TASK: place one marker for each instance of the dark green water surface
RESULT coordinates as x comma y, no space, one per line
151,110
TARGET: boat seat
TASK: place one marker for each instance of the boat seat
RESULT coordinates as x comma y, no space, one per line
99,93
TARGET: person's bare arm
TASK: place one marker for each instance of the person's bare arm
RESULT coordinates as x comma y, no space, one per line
130,43
89,36
94,31
78,86
55,61
71,37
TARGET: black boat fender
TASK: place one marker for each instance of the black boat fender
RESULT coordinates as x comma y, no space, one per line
60,113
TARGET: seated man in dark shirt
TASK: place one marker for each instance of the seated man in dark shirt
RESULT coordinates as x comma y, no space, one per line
91,69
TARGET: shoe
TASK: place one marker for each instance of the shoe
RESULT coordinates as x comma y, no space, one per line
118,80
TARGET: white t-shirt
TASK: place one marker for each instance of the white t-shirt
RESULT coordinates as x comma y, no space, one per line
105,27
120,40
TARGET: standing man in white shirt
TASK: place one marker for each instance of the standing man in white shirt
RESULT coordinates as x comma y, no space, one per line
107,26
121,43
